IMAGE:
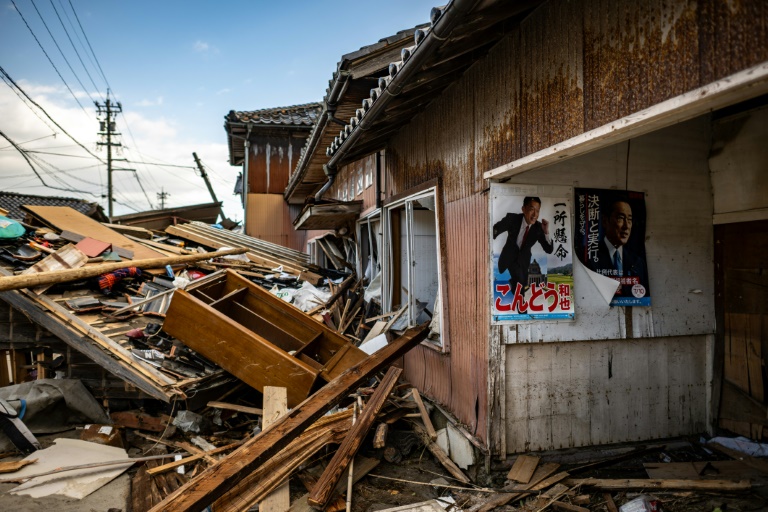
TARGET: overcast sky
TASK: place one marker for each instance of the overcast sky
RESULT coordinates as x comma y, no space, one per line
177,67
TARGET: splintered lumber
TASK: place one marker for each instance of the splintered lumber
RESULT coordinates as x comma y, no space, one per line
380,438
523,468
609,502
542,475
141,420
424,414
75,274
655,484
141,491
275,405
324,488
257,485
236,407
214,481
13,466
440,454
362,466
548,497
192,458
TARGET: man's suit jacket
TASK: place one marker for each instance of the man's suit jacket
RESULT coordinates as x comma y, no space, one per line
517,259
632,266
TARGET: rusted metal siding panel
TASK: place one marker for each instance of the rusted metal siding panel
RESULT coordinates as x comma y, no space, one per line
271,160
460,379
270,218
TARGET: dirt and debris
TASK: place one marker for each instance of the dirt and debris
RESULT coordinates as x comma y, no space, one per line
204,350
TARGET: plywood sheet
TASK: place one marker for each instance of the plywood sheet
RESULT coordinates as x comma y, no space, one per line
65,218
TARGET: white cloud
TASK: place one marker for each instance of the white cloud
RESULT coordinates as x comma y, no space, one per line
150,103
226,90
155,138
201,46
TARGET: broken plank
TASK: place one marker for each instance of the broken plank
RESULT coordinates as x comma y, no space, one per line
141,420
549,497
568,507
362,466
424,414
609,502
277,469
141,493
235,407
13,466
523,468
214,481
655,484
192,458
516,490
380,438
346,452
440,454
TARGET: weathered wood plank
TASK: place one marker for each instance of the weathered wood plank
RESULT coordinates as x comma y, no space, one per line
322,492
523,468
648,483
214,481
275,405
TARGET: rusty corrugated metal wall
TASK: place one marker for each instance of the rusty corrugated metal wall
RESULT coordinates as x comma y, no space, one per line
271,161
570,67
270,218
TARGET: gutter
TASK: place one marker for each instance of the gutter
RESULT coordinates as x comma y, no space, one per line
400,73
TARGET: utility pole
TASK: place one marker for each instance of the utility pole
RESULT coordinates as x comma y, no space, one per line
107,131
205,177
162,196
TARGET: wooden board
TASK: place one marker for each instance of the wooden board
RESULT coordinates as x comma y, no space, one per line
275,405
523,468
700,470
214,481
65,218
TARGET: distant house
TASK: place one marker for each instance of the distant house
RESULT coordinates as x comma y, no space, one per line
158,220
272,140
12,202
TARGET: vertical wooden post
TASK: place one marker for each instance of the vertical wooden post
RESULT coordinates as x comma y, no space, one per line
275,405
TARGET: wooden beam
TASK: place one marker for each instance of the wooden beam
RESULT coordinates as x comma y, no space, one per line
192,458
214,481
746,84
323,490
440,454
655,484
236,407
75,274
424,414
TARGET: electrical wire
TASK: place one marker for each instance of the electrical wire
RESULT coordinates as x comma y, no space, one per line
47,56
27,159
95,87
98,64
56,43
33,140
5,81
4,73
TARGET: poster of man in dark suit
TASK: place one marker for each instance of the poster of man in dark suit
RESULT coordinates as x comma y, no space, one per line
611,241
531,246
524,231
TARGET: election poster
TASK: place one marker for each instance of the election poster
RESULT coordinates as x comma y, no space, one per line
610,240
531,253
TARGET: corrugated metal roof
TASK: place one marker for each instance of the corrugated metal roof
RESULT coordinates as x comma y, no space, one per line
461,32
295,115
349,84
13,201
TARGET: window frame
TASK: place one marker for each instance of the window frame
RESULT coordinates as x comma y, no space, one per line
386,258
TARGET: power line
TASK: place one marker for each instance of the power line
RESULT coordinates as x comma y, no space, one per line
89,44
56,43
75,48
33,140
162,165
26,158
47,56
4,73
5,81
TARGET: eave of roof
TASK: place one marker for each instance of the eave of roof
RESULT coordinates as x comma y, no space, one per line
278,119
355,74
460,33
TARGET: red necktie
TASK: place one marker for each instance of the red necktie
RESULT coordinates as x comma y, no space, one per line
525,235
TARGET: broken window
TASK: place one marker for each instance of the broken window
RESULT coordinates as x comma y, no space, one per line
369,237
410,263
359,181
